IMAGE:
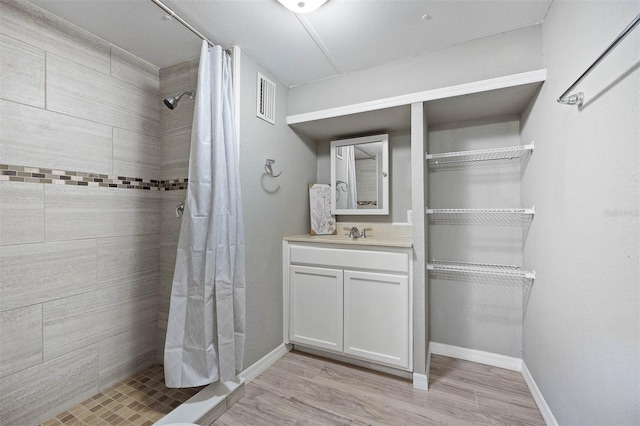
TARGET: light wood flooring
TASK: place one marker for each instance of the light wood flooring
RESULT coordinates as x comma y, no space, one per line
306,390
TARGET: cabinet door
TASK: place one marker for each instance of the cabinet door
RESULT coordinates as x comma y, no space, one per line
316,307
376,317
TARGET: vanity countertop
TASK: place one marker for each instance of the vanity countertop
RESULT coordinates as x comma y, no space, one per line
339,239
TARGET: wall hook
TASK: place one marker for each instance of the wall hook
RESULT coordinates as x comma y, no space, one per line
267,167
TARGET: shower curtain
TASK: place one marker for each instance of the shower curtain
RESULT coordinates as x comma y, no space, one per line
206,330
350,162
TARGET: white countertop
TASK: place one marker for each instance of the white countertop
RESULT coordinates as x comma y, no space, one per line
339,239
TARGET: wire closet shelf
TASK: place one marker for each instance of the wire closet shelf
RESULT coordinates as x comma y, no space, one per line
517,211
480,268
506,153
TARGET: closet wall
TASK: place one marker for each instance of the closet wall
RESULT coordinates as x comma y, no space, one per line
582,325
476,311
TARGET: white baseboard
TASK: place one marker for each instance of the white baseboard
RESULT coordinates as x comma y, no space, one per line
547,415
420,381
474,355
250,373
502,361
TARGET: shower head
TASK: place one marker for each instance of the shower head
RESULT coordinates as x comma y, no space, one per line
172,102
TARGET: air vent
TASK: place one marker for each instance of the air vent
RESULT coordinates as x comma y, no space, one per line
266,96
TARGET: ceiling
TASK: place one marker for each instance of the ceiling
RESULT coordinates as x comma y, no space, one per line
341,37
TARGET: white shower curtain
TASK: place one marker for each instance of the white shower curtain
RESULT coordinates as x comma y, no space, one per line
352,190
206,329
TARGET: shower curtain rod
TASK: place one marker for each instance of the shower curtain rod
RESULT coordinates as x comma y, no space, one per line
182,21
578,98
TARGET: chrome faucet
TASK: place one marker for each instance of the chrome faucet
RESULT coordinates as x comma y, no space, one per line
354,232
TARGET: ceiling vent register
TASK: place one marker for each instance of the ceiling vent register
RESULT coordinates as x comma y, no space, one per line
266,97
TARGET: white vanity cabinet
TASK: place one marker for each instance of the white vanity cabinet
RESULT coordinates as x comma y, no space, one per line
376,317
315,305
352,300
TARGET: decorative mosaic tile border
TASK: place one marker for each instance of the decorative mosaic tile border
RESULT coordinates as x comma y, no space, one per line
63,177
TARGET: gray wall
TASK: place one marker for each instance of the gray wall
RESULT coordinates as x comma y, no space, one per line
273,207
510,53
581,333
78,260
475,311
399,170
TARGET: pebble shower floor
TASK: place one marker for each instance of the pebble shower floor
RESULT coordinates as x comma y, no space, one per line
142,399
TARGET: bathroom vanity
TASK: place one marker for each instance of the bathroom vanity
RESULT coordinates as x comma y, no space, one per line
351,297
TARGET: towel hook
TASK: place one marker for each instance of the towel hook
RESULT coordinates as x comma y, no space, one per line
267,167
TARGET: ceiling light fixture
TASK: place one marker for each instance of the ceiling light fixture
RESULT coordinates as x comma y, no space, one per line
302,6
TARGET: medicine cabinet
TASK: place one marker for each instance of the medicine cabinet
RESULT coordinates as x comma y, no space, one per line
360,176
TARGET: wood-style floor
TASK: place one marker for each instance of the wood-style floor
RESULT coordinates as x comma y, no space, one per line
306,390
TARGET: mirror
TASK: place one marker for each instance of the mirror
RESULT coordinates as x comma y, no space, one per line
360,176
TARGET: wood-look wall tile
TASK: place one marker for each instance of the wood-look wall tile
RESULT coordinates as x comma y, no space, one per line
20,339
21,72
73,212
26,22
193,72
39,138
40,392
136,154
178,120
175,125
128,259
176,144
77,321
133,70
161,335
169,223
174,79
21,213
126,354
35,273
167,266
84,93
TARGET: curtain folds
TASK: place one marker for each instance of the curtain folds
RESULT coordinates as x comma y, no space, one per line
206,325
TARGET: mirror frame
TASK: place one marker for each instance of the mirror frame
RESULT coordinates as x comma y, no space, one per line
384,138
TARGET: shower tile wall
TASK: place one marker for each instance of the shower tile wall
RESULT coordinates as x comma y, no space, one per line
79,265
175,135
